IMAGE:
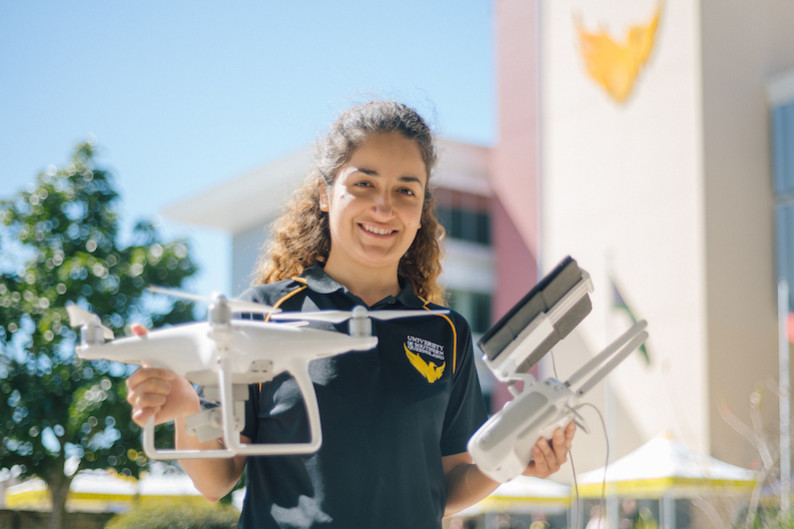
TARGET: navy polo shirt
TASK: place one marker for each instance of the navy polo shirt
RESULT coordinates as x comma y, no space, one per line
388,417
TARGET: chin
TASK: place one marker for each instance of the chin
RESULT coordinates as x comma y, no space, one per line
380,261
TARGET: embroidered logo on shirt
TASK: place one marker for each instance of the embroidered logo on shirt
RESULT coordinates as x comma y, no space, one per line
430,370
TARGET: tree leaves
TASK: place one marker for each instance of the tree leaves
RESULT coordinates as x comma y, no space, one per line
62,243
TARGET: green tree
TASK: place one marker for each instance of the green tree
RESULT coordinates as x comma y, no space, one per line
62,243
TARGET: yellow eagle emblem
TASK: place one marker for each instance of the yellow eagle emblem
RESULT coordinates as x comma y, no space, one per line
615,65
430,371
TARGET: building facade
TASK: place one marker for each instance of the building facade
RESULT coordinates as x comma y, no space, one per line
657,175
654,143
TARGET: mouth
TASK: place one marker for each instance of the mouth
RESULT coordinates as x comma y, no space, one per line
374,230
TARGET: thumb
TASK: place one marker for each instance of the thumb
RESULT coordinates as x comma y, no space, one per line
138,330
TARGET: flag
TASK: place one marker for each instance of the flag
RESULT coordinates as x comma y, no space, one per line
619,302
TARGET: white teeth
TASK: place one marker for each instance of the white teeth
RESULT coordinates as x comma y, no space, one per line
376,231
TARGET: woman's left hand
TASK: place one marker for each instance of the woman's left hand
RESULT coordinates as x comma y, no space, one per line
549,456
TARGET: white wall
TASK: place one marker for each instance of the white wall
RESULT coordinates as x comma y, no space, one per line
671,190
743,46
622,193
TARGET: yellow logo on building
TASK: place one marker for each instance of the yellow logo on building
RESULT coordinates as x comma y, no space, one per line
615,65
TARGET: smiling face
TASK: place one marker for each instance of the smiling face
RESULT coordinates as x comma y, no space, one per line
375,205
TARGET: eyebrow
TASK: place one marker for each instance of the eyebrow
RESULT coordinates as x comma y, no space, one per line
372,172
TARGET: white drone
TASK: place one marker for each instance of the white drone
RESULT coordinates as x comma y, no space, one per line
226,355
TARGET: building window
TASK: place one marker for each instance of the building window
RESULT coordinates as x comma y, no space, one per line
783,146
783,156
465,224
474,306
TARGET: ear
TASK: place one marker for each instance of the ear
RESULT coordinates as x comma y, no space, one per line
323,197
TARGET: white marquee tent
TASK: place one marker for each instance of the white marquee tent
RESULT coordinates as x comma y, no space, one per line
667,469
99,490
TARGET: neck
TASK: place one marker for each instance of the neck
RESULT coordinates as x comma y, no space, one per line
371,285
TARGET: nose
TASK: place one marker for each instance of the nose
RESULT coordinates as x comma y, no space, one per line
383,203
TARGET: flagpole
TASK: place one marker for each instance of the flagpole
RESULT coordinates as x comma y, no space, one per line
610,406
784,390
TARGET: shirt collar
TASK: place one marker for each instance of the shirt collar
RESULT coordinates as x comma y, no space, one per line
322,283
319,281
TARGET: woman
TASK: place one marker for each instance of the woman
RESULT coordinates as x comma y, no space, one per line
396,419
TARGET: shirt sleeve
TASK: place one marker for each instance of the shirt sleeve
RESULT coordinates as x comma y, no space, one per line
466,409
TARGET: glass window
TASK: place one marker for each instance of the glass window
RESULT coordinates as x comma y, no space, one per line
783,147
783,159
444,216
484,228
465,224
474,306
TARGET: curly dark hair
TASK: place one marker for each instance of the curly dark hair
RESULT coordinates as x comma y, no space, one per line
301,237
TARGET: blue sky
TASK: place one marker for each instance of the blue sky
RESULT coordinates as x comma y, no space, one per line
181,96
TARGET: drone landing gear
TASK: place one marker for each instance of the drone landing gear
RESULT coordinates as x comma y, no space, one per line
225,422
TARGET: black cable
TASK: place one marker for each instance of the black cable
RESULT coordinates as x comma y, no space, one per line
603,501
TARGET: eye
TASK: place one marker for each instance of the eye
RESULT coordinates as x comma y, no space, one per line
407,191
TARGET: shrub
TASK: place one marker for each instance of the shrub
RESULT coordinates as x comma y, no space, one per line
785,521
184,516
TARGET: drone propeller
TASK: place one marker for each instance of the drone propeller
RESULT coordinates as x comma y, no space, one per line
79,317
235,305
338,316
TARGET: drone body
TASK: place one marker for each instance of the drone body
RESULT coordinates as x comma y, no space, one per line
226,355
194,350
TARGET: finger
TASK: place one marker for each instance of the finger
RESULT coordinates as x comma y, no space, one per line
560,446
551,449
150,392
148,400
146,405
554,453
138,330
141,416
146,373
153,386
558,440
570,431
540,463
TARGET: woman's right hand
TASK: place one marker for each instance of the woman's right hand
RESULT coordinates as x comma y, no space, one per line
159,393
166,396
